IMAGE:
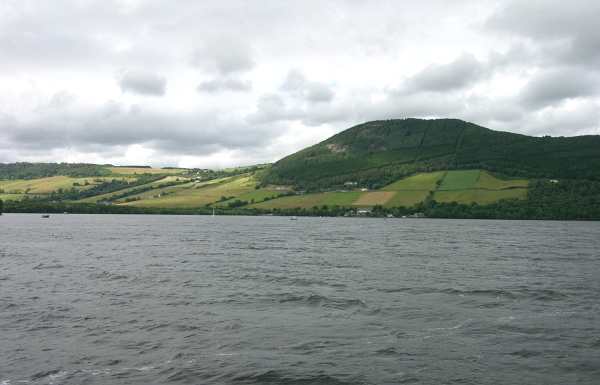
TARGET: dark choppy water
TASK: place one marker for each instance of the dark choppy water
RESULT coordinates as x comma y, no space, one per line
112,299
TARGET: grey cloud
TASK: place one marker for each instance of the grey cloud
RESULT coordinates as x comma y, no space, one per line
225,84
143,83
116,126
568,30
555,85
298,85
462,72
223,55
582,119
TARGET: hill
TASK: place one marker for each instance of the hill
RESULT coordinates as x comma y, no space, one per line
441,168
377,153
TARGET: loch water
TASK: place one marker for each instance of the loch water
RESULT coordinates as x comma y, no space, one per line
144,299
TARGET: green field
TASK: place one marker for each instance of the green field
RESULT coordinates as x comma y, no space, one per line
311,200
424,181
12,197
407,198
459,179
462,186
255,196
479,196
490,182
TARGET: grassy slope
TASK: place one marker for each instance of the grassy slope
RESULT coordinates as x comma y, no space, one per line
488,181
373,198
479,196
255,196
478,186
459,180
310,200
463,186
191,196
422,182
11,197
101,197
407,198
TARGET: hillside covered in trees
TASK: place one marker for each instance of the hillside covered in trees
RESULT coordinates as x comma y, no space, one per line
377,153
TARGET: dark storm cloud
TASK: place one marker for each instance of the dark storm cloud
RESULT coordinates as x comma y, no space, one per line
460,73
143,83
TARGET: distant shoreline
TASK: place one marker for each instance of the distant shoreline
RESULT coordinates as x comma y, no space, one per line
78,208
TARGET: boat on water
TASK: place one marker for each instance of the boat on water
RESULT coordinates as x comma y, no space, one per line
46,216
293,218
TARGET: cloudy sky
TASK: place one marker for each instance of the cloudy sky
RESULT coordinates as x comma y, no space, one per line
236,82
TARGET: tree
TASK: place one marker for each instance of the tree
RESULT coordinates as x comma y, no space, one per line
1,206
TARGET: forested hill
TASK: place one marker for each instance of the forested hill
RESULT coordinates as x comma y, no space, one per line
26,170
376,153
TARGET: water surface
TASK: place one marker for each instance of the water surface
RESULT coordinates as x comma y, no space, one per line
127,299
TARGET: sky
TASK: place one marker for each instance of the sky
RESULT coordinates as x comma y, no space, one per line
214,84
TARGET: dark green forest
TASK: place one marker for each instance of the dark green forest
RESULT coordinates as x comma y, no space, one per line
376,153
25,170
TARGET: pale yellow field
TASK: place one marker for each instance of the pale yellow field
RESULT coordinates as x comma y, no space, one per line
50,184
374,198
424,181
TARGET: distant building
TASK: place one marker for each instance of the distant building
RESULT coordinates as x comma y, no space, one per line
350,184
363,211
364,189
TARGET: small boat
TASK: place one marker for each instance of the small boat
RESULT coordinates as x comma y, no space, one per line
293,218
46,216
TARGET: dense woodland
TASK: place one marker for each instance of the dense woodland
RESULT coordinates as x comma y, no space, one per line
24,170
376,153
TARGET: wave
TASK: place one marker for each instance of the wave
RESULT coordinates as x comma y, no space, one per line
319,300
522,293
43,266
275,377
107,276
